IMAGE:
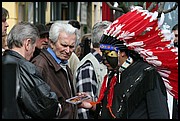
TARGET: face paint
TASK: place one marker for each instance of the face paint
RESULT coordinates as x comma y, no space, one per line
111,57
110,53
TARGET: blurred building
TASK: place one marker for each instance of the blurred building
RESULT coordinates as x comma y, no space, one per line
45,12
87,13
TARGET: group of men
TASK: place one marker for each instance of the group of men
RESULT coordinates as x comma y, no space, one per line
123,79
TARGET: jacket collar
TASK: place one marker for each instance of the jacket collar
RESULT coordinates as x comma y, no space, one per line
14,53
55,57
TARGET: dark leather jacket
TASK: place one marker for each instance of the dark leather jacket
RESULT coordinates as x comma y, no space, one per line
25,70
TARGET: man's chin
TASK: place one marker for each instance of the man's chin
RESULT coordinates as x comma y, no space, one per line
44,46
4,34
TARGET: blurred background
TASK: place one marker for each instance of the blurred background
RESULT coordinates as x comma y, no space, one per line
87,13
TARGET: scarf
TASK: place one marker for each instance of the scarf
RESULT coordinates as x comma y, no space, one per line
113,81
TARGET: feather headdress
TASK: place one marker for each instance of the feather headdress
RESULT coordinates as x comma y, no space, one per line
139,30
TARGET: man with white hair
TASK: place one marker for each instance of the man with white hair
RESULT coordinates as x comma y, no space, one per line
52,64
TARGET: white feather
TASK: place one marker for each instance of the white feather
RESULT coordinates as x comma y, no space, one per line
161,21
154,16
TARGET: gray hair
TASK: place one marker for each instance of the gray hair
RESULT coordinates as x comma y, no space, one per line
97,32
20,32
58,27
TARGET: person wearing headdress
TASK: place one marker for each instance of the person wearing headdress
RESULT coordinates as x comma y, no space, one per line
141,69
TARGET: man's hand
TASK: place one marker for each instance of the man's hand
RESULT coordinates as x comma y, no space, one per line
86,103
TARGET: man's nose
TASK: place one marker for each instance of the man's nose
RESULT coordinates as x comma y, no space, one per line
67,49
46,39
7,25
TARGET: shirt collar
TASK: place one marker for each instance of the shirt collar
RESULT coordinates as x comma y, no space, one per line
55,57
126,63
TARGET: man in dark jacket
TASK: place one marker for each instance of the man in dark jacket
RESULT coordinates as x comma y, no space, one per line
21,43
43,41
52,65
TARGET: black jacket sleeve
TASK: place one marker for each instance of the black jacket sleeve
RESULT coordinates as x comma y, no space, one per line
156,99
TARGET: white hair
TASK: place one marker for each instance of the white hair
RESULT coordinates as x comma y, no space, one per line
58,27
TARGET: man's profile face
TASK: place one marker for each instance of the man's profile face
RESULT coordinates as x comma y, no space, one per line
4,26
43,41
110,59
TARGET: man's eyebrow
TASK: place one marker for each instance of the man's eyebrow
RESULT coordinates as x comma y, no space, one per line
65,44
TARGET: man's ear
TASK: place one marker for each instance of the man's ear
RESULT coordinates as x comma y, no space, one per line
27,44
51,44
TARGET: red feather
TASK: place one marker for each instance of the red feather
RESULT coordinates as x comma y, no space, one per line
153,47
